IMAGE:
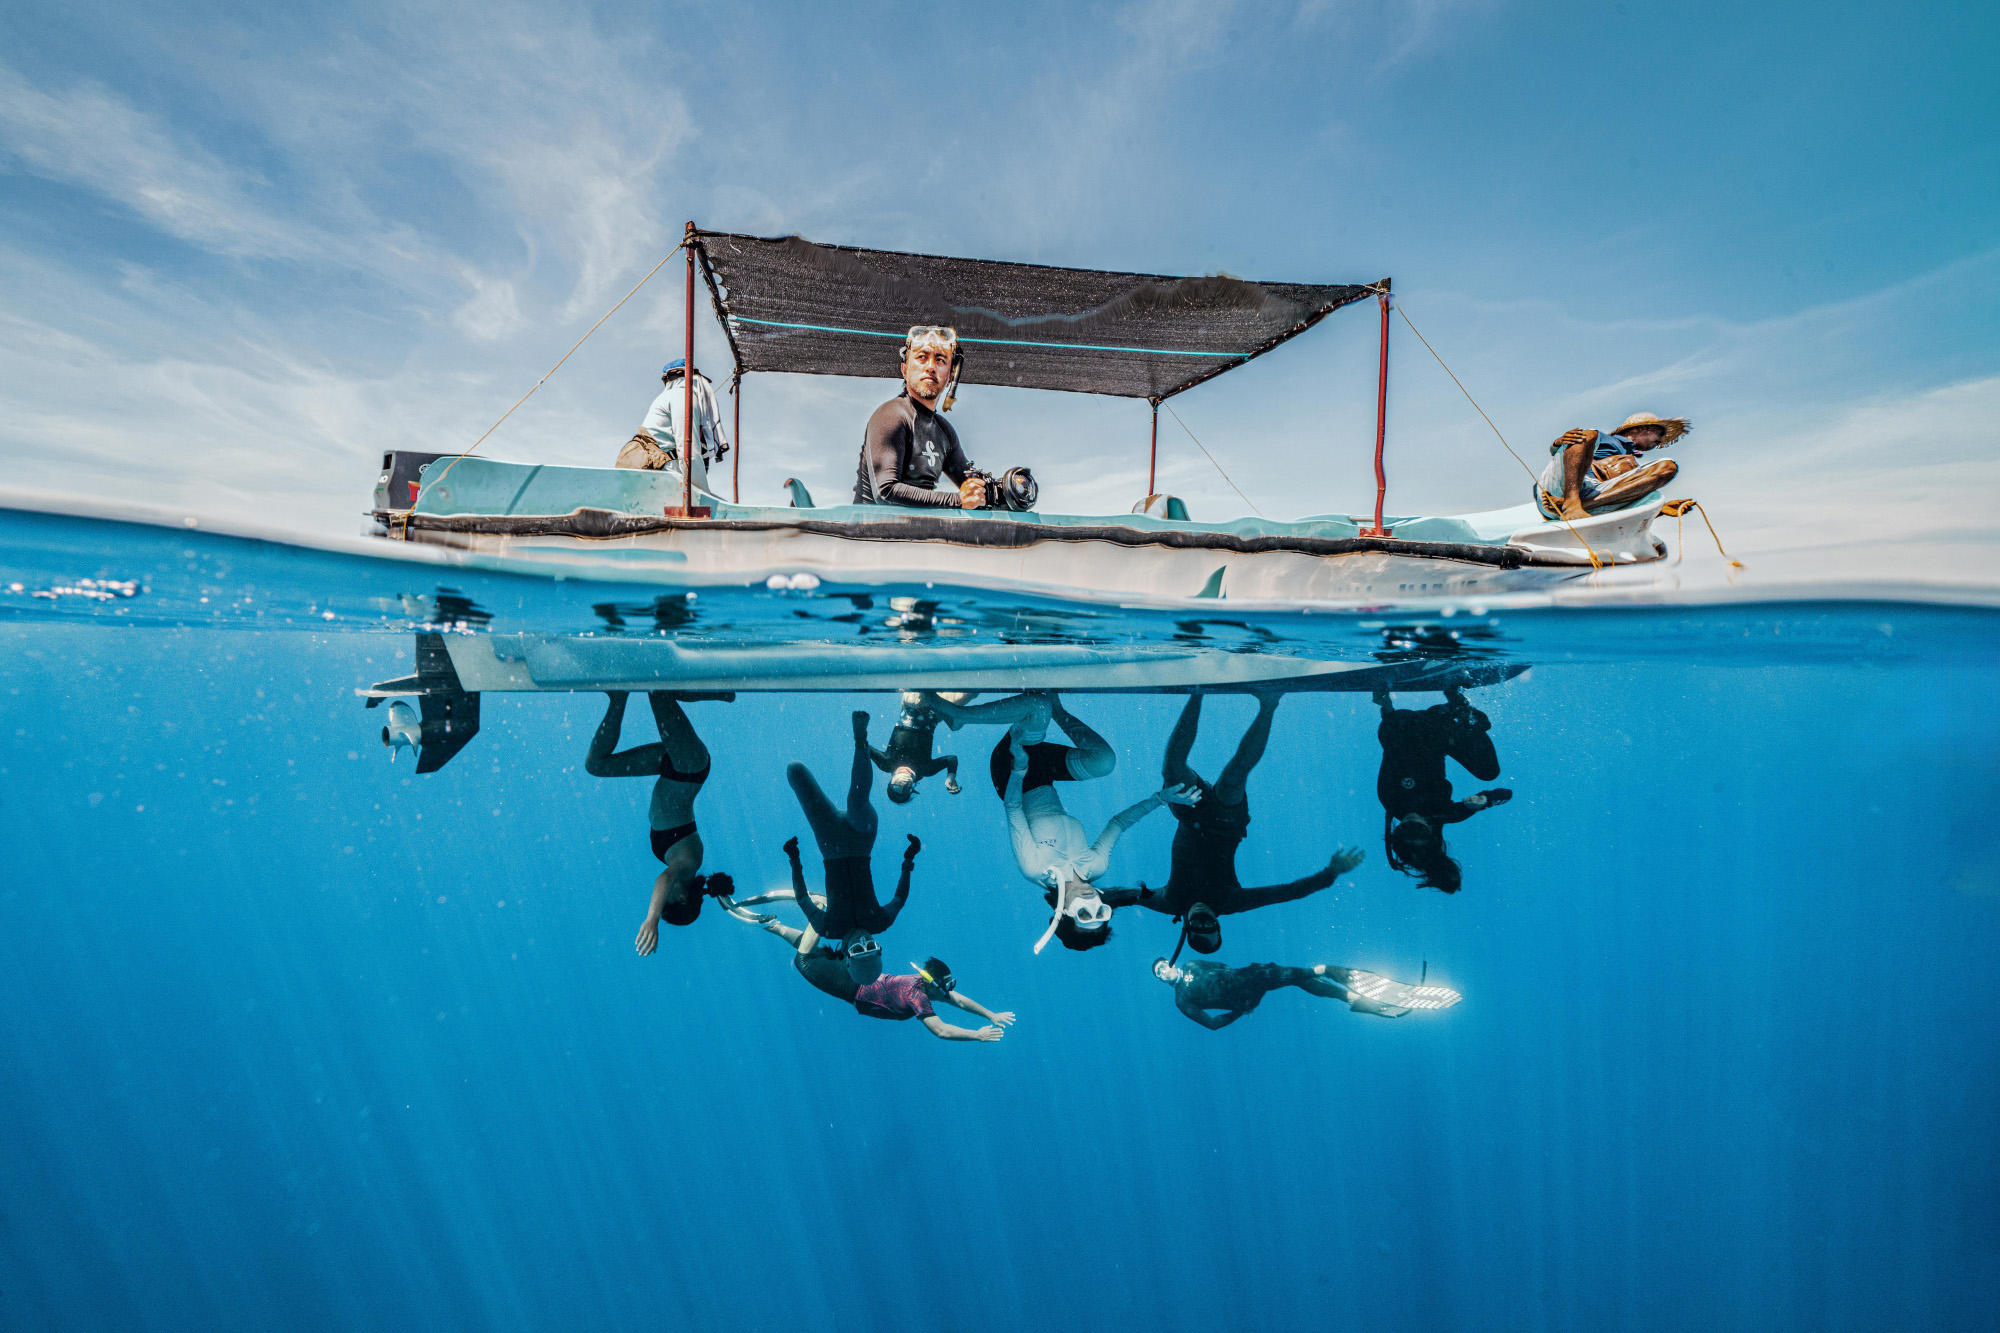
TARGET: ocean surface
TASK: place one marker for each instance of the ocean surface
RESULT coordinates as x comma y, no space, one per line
294,1037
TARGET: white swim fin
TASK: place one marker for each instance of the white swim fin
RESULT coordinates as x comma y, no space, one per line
1370,994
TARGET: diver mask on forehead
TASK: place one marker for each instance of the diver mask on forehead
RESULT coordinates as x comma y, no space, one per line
939,338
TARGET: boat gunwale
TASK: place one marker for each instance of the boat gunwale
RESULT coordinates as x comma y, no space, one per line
588,524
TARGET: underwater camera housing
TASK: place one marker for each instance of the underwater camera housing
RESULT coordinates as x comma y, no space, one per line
1013,491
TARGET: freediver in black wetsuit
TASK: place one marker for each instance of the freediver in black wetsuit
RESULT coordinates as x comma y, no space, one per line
1200,987
907,757
1201,883
1416,795
681,763
846,841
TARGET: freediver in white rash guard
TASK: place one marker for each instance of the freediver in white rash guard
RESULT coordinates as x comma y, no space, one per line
1050,845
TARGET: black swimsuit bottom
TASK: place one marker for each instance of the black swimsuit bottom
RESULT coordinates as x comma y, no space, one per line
665,839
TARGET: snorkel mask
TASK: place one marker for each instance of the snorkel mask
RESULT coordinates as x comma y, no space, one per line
902,785
1085,910
1166,971
936,973
864,958
938,338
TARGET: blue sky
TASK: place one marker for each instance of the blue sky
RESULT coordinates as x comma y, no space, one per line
242,251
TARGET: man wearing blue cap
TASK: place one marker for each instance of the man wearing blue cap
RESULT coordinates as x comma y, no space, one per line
656,445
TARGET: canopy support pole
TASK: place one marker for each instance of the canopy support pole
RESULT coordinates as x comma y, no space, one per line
690,432
1153,457
736,437
1381,417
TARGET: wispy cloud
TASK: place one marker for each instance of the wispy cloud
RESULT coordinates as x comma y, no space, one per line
86,136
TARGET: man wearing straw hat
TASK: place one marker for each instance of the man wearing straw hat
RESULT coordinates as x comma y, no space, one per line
1592,471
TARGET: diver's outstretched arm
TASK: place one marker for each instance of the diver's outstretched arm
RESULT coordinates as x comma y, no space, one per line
641,761
1132,814
1005,1018
939,1028
880,760
1248,900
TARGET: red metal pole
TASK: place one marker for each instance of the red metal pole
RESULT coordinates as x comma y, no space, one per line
1153,458
736,435
1381,420
690,436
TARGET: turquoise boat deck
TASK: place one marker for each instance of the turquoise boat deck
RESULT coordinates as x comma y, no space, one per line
484,486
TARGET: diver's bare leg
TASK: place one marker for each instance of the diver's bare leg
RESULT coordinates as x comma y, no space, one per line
1004,712
685,752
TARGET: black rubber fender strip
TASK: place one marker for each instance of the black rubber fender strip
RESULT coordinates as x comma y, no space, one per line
604,524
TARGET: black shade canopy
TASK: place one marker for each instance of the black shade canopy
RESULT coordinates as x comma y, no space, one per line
790,305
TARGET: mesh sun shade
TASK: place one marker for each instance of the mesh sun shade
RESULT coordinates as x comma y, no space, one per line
791,305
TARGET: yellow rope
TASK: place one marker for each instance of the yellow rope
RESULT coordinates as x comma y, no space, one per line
539,383
1678,508
1596,562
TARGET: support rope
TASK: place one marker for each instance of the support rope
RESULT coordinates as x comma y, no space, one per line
1596,561
545,379
1211,458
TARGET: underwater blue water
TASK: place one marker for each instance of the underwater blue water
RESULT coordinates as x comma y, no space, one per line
293,1037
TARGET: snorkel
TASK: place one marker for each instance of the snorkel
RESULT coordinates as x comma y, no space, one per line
937,338
1088,914
936,974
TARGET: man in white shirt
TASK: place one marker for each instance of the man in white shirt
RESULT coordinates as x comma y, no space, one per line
656,446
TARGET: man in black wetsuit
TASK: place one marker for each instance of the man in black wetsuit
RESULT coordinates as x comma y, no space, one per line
1201,880
1416,794
909,444
1200,987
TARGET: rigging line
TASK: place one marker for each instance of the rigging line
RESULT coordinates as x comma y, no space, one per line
1596,562
1211,458
552,370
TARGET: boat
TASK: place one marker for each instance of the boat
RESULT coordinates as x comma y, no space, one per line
790,306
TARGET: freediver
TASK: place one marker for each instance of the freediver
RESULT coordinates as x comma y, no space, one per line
846,840
894,996
1236,991
908,755
1415,791
681,763
1050,846
1201,880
